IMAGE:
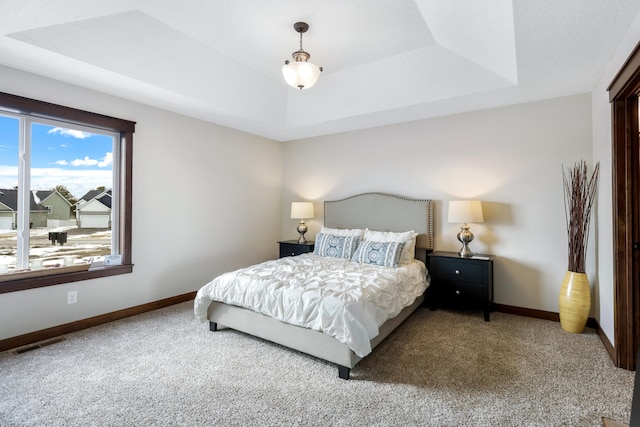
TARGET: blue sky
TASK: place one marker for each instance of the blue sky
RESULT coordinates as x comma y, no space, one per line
81,161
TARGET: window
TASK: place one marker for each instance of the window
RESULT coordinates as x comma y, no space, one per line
65,194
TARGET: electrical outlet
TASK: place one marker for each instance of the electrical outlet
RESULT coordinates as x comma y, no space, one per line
72,297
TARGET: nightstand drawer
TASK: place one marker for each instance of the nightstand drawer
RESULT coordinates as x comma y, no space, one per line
455,291
293,248
458,271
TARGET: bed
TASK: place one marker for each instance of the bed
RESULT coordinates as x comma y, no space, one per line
373,211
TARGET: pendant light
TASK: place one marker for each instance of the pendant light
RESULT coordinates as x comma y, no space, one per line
301,74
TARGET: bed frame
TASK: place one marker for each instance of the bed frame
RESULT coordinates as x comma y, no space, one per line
377,211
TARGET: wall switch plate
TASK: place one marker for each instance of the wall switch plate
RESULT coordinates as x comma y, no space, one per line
72,297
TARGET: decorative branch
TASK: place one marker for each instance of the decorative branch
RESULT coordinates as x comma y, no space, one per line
579,194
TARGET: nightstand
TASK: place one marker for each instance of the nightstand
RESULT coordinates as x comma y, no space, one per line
460,281
293,248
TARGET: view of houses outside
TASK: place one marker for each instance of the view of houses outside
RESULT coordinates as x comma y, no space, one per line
71,175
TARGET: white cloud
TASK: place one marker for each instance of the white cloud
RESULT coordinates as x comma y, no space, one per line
84,162
8,170
62,162
106,161
77,181
70,132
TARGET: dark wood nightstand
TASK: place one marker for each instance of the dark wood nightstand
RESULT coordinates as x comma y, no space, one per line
462,281
293,248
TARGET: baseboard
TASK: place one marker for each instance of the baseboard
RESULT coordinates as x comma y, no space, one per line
45,334
555,317
607,344
527,312
67,328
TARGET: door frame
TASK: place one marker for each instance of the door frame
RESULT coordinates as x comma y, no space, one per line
623,95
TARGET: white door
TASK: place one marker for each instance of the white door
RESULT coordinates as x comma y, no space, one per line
95,221
5,223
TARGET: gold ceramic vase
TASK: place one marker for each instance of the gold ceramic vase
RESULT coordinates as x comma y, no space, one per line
574,302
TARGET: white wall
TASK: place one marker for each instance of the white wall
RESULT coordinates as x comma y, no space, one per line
602,152
205,199
510,158
228,186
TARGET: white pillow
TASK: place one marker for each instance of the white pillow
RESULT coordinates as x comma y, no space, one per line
358,232
407,237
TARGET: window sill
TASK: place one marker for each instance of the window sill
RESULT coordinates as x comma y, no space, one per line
21,281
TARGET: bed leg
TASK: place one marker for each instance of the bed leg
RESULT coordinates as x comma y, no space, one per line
213,326
343,372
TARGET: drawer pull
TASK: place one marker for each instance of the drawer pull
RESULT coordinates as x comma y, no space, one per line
457,271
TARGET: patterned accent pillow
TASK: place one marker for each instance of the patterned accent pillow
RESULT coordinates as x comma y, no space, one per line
407,237
384,254
330,245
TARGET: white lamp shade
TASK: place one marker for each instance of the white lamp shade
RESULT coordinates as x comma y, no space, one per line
301,210
301,74
465,211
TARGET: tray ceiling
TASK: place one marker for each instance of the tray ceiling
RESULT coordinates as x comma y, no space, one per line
384,61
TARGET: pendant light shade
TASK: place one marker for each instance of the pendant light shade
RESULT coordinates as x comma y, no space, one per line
301,74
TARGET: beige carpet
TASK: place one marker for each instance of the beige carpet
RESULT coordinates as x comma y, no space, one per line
440,368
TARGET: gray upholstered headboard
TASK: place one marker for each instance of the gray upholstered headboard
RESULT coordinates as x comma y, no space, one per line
383,212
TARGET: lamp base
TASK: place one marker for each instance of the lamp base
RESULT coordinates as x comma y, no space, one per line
465,236
465,252
302,228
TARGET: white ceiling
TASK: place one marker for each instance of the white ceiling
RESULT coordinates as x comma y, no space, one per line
385,61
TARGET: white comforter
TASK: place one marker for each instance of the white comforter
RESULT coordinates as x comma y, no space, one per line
344,299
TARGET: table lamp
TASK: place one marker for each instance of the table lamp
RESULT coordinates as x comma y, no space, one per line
302,211
465,211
